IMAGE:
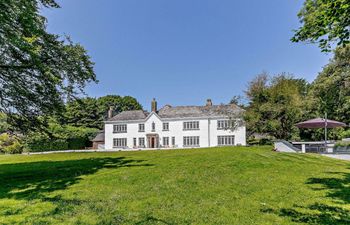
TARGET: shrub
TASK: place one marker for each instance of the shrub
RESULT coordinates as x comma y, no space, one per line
342,144
62,138
345,134
10,144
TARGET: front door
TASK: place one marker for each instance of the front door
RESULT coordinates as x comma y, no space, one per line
153,142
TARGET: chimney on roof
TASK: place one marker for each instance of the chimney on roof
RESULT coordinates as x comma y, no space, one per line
209,102
110,112
154,105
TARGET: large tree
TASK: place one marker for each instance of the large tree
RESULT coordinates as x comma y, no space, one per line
38,70
324,22
275,105
91,112
331,88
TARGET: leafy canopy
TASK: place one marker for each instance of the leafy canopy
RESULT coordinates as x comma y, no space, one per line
324,22
91,112
331,88
38,70
275,105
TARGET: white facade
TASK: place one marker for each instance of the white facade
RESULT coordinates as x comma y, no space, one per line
208,133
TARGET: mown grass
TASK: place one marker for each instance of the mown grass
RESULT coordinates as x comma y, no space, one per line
233,185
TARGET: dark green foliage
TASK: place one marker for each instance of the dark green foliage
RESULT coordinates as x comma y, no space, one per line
10,144
119,104
83,112
331,88
38,70
44,144
275,105
91,112
324,22
60,138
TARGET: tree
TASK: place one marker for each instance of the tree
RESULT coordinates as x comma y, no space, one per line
118,103
38,70
83,113
324,22
331,88
91,112
275,105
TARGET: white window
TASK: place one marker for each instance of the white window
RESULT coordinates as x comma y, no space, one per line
192,125
120,128
226,140
173,141
135,142
223,124
141,127
119,142
141,142
153,126
165,141
191,141
165,126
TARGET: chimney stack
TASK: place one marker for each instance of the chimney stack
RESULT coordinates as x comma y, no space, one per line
209,102
110,112
154,105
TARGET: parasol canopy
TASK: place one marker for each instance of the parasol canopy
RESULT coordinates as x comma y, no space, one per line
320,123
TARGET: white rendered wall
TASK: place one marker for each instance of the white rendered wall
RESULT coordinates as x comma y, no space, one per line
207,132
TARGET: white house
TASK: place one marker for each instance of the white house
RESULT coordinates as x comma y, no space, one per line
173,127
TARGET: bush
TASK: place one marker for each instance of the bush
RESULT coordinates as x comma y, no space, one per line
10,144
38,144
342,144
260,141
62,138
345,134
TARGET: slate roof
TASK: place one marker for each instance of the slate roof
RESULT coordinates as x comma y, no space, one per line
99,137
197,111
130,115
169,112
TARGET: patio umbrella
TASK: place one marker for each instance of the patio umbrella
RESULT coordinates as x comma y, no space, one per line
321,123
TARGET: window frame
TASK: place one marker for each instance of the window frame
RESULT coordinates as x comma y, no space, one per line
141,142
120,142
191,125
166,126
223,124
141,125
226,140
166,141
120,128
191,141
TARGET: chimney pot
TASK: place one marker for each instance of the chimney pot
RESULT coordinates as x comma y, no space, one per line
154,105
209,102
110,112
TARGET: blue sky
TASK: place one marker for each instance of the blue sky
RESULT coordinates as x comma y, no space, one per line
185,51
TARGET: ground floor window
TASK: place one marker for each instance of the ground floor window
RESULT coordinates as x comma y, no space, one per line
119,142
226,140
141,142
135,142
165,141
173,141
191,141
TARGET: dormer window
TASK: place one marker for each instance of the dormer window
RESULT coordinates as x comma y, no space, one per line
153,126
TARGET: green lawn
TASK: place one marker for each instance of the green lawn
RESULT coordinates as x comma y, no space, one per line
236,185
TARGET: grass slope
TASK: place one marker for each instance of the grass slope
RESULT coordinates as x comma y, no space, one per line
233,185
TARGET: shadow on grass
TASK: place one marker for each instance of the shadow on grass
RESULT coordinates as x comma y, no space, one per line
338,189
32,180
36,180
